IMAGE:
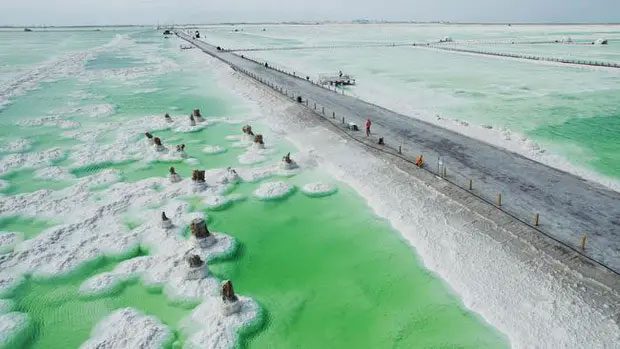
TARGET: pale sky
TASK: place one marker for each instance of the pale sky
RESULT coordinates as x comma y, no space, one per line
100,12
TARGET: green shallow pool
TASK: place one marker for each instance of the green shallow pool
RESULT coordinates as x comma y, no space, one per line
331,274
326,271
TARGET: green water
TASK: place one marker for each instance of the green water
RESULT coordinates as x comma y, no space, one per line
325,271
27,226
61,318
329,273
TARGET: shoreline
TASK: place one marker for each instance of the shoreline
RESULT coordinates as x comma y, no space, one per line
488,264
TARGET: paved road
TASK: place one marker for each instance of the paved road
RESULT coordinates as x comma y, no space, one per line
569,206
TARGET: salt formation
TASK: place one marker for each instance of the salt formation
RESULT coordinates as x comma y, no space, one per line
273,190
218,201
230,302
198,181
158,145
192,121
16,146
248,135
288,163
180,151
201,237
197,115
166,223
213,149
168,118
258,142
318,189
11,325
196,268
8,240
128,328
29,160
174,176
149,138
53,121
53,173
231,176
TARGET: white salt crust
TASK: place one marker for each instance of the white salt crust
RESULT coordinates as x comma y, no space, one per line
16,146
128,328
11,324
93,226
213,149
318,189
8,240
35,160
273,190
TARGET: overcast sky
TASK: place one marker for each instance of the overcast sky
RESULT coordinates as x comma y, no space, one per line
99,12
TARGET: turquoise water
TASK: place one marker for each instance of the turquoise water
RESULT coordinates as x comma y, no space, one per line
569,111
324,270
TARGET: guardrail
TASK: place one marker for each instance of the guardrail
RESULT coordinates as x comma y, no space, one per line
524,56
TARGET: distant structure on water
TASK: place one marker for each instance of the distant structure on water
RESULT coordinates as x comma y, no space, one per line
336,80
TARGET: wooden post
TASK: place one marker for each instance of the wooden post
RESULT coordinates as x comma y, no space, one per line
400,149
471,185
314,106
444,171
343,119
323,110
584,239
536,217
306,102
499,199
333,115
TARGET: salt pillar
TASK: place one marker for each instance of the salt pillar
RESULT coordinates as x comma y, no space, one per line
174,177
196,268
166,223
158,145
201,236
198,181
198,116
230,301
258,142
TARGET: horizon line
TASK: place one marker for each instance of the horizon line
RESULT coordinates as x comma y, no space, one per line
305,22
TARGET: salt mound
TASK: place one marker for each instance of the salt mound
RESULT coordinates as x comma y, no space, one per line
219,201
213,149
29,160
273,190
16,146
217,330
318,189
96,110
8,240
55,121
233,137
128,328
53,173
11,324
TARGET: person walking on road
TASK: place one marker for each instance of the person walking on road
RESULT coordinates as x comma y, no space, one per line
368,124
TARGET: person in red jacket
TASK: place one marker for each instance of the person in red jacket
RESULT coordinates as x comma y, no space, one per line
368,124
